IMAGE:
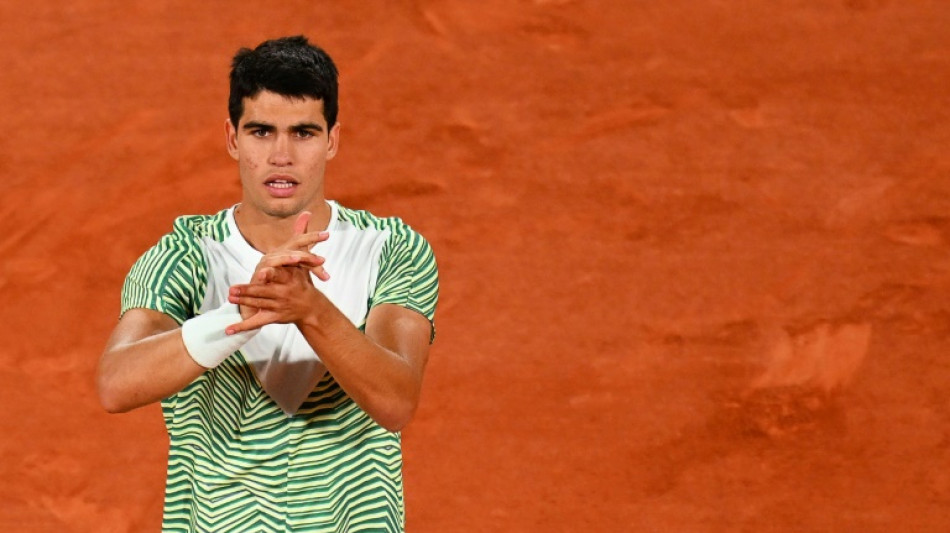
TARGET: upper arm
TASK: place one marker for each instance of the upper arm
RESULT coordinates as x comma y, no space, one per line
138,324
403,331
408,279
144,361
402,313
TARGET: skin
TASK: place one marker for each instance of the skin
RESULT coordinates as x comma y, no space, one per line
282,146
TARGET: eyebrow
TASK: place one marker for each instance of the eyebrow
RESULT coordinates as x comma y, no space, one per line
303,126
256,126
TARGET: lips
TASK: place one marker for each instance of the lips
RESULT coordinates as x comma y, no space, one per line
281,186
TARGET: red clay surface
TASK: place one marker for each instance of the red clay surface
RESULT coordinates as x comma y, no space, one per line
694,254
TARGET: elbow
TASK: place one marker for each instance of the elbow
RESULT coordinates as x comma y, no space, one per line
110,397
397,416
393,425
114,409
111,403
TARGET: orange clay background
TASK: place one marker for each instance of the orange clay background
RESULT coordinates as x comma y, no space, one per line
695,255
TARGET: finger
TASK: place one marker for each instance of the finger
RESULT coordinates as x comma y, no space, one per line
321,273
264,275
305,241
280,275
264,304
268,291
288,254
303,220
283,259
255,322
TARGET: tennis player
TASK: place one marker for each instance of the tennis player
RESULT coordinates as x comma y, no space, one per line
285,336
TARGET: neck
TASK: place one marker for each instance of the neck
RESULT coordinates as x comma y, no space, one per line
265,233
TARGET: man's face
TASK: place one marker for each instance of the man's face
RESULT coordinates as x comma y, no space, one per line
282,146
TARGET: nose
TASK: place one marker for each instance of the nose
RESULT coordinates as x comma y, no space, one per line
280,152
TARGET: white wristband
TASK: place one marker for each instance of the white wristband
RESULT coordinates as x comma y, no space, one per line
205,339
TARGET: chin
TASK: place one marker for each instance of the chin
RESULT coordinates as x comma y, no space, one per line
278,207
283,212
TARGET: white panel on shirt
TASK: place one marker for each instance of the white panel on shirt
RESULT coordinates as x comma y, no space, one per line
283,361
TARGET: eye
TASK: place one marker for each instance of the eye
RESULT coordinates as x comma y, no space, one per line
305,134
260,132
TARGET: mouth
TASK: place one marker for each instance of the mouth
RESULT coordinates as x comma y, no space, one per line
281,186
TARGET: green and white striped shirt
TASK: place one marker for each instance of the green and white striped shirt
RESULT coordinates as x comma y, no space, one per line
239,460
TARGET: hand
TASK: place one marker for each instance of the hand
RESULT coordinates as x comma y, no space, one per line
288,266
299,245
279,293
293,253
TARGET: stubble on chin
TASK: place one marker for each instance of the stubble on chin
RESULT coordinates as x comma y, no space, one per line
282,211
258,210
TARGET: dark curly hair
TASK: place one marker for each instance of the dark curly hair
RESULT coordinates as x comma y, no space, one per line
289,66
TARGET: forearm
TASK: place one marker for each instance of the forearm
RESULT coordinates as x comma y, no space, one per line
380,370
382,382
134,374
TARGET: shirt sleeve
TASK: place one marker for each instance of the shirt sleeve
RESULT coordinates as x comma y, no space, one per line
166,279
408,275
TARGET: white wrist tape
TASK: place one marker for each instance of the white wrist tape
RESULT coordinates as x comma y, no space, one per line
205,339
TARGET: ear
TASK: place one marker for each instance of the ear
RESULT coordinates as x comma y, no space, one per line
231,139
333,141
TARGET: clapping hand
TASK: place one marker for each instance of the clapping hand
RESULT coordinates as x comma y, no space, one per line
281,290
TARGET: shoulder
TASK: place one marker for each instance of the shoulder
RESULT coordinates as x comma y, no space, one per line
197,227
362,219
189,231
397,231
170,276
182,246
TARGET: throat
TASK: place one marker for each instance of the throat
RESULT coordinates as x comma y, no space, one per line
267,232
